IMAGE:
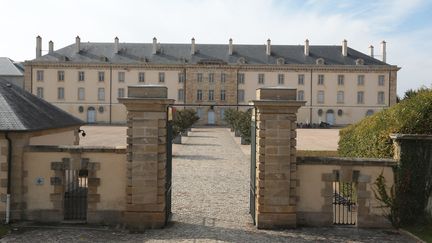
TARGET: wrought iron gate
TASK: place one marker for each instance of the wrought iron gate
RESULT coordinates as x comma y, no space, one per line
75,196
344,202
168,183
253,169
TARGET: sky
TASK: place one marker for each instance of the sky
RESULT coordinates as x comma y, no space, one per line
406,26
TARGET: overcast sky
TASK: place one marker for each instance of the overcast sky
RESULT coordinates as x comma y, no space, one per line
406,25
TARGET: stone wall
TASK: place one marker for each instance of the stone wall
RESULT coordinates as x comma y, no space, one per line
315,188
45,182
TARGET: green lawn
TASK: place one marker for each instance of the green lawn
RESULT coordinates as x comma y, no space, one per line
4,229
424,232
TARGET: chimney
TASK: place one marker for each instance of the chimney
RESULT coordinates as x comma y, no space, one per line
268,47
306,47
230,47
38,46
116,45
77,44
384,52
371,50
193,46
344,48
154,51
51,46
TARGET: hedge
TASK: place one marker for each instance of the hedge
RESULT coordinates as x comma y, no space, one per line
370,137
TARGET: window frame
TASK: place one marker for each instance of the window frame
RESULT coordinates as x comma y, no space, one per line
320,94
81,76
101,94
199,96
60,75
281,78
161,76
60,93
121,76
141,77
39,75
341,80
321,79
261,78
83,93
300,79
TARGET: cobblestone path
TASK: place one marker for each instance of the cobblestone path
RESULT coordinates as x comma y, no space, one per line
210,204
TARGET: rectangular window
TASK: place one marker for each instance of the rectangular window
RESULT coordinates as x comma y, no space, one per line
181,77
341,80
223,77
141,77
81,76
40,92
381,80
320,98
199,112
121,93
222,113
199,94
360,97
340,97
60,75
240,78
321,79
60,93
199,77
281,78
261,78
121,77
81,94
381,98
211,77
241,95
360,80
101,76
222,94
301,79
300,95
211,95
161,77
39,75
101,93
180,95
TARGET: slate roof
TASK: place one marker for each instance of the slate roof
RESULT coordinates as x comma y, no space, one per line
9,68
22,111
180,54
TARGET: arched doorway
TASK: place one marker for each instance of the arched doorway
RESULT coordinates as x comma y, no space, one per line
211,117
330,118
91,115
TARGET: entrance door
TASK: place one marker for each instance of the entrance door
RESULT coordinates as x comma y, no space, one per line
330,118
211,118
91,115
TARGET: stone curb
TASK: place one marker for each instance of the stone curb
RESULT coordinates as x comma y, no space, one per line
409,234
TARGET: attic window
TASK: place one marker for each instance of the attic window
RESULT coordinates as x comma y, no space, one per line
143,59
241,60
320,61
280,61
359,61
64,58
103,59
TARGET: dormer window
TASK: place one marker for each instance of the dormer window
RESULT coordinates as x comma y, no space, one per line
359,61
280,61
241,60
320,61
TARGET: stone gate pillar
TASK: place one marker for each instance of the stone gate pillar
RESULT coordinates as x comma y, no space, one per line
276,181
146,156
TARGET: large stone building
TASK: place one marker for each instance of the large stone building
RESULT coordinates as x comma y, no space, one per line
12,71
339,84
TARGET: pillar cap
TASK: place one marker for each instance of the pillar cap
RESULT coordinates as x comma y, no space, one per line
148,91
399,136
276,93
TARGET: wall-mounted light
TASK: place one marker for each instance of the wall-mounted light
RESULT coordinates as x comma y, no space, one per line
82,132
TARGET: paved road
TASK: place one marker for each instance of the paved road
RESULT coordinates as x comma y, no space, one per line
210,204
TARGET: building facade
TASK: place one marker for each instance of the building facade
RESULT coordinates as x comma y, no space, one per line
339,84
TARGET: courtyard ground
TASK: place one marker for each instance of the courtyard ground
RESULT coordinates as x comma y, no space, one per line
210,204
307,139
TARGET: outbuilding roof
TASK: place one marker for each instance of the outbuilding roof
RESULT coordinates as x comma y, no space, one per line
23,111
130,53
9,68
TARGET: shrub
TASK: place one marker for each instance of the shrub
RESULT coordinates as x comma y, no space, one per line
183,120
370,137
241,121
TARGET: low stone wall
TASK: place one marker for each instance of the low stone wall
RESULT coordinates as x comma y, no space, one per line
315,177
44,181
